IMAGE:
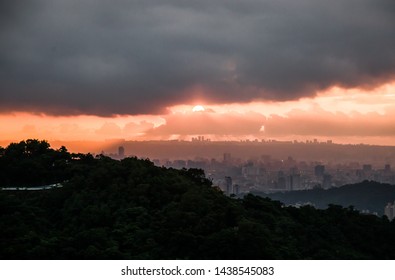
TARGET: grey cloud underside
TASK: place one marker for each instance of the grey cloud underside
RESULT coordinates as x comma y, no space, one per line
132,57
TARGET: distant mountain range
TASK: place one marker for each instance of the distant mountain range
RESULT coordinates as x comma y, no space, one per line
367,195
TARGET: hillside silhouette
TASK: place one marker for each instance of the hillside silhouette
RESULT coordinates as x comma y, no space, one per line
132,209
367,195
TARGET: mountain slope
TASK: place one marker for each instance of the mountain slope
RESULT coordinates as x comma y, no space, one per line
131,209
367,195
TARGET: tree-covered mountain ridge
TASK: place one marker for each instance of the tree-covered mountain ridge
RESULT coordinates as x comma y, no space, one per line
132,209
365,196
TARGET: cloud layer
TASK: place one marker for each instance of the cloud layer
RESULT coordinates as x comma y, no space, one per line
138,57
297,123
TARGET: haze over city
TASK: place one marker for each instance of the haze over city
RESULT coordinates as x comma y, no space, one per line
226,70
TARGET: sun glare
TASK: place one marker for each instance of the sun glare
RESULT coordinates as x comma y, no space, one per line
198,108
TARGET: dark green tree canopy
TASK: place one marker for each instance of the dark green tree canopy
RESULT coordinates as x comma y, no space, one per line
132,209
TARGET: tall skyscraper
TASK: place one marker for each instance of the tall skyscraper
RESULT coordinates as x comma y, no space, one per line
121,152
389,211
327,181
236,189
319,170
228,185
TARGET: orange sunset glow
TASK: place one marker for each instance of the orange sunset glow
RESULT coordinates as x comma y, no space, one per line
345,116
71,72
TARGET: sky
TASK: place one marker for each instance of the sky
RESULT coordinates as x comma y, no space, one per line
260,69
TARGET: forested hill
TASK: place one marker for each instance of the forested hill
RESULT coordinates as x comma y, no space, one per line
367,195
131,209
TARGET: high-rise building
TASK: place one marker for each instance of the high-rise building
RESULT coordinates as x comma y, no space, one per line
367,167
327,181
319,170
228,185
121,152
281,180
389,211
236,189
294,182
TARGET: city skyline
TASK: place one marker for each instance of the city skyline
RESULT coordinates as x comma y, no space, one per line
228,71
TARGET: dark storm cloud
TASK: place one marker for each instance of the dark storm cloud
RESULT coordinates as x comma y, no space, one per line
131,57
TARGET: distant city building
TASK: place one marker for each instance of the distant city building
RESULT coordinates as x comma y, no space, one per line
367,167
273,168
327,181
319,170
121,152
294,182
179,164
200,139
281,180
251,170
389,211
236,189
228,185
